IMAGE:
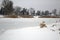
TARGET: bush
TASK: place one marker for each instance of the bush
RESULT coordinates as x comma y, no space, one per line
26,16
49,17
11,16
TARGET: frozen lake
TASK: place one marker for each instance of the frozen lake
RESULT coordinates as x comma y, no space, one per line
28,29
24,22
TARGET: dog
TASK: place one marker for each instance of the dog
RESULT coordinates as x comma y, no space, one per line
42,24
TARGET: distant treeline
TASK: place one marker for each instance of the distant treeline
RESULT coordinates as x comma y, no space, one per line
8,9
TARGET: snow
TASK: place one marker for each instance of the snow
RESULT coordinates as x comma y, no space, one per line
30,33
8,22
28,29
36,16
1,16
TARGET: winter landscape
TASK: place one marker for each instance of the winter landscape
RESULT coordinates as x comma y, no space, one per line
29,19
29,29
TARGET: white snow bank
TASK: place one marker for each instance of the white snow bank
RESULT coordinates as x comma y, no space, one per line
30,33
1,16
28,29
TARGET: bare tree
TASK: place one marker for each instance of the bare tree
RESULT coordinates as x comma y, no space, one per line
54,12
8,7
32,11
17,10
38,13
46,13
43,13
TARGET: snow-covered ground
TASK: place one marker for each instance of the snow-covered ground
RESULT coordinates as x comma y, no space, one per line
1,16
29,29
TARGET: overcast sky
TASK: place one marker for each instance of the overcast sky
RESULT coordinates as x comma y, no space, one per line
38,4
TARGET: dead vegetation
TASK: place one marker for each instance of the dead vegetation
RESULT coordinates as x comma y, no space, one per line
26,16
49,17
15,16
10,16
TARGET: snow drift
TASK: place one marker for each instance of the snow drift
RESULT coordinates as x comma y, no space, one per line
29,29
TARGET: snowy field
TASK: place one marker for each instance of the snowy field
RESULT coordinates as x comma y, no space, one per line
29,29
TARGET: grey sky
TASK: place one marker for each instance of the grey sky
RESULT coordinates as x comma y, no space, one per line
38,4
